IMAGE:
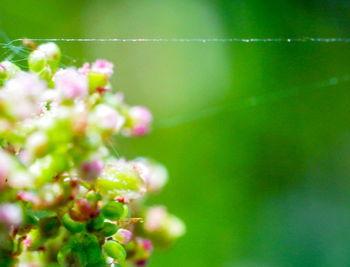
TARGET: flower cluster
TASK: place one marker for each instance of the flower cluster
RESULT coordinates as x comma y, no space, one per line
65,198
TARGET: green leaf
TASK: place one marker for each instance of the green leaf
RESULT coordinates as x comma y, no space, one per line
49,226
82,250
96,224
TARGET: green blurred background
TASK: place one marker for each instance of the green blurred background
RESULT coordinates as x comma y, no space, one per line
256,137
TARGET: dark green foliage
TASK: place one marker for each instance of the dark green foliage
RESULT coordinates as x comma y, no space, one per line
82,250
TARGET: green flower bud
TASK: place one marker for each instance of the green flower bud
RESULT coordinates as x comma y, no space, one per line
93,197
97,80
96,224
163,227
113,210
37,144
46,75
8,70
52,53
58,168
2,72
120,178
109,229
115,250
37,60
72,225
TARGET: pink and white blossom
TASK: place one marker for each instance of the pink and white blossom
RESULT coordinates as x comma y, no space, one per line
10,214
108,118
123,236
154,174
141,119
102,66
71,84
23,94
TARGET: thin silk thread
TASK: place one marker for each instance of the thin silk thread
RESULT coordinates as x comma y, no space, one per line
193,40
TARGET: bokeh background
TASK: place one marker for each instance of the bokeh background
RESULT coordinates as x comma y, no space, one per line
256,136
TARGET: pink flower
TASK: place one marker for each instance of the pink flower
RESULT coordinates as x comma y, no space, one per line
10,214
140,130
155,218
22,95
108,118
27,242
147,245
144,249
142,262
24,157
103,66
28,196
90,170
140,114
51,50
154,174
141,119
123,236
85,69
71,84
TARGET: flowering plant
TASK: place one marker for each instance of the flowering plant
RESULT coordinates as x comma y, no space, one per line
65,198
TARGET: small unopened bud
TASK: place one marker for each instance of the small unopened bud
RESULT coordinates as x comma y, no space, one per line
143,249
122,199
164,227
147,245
72,225
119,178
28,197
46,75
109,229
20,179
53,54
97,80
37,144
155,219
115,250
154,174
123,236
113,210
90,170
2,72
84,206
175,227
84,69
71,84
8,70
37,61
107,118
10,214
22,95
142,262
139,121
103,67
